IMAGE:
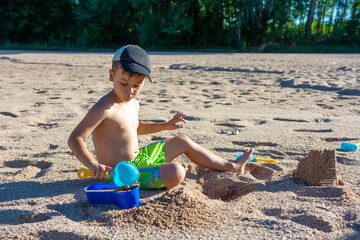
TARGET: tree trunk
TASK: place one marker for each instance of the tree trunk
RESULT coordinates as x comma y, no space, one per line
331,16
323,16
343,14
239,29
310,18
319,17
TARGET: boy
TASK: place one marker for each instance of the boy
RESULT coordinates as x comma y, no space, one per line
114,125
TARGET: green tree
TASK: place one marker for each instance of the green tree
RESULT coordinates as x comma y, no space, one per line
37,20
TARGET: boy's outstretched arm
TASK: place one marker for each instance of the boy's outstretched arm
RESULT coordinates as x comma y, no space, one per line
81,133
149,127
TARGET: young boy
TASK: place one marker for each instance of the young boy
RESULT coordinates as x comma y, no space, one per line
114,125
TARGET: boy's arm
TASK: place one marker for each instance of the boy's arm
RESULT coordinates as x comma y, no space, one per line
81,133
149,127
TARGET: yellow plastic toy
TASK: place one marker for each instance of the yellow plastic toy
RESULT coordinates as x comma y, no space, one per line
256,159
83,173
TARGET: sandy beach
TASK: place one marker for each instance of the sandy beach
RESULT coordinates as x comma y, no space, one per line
283,106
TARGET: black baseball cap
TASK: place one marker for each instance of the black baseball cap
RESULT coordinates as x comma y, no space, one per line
133,59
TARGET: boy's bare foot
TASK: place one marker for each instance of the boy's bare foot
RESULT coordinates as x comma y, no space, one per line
241,162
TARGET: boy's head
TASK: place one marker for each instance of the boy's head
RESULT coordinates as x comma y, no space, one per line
132,59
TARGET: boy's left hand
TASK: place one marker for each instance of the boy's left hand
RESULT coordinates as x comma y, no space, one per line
174,122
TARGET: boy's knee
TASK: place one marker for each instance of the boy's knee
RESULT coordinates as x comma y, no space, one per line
179,172
174,175
184,138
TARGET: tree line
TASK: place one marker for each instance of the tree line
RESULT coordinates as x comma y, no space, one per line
238,24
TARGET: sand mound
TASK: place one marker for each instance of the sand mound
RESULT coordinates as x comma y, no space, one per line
27,173
318,168
189,205
180,207
227,186
224,186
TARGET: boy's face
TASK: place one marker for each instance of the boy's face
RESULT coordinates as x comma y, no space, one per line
126,86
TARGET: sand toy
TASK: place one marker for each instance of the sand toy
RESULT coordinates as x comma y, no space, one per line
349,146
124,174
256,159
109,193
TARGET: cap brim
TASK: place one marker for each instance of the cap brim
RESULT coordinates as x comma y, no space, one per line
135,68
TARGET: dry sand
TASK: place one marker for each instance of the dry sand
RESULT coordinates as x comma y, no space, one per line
284,105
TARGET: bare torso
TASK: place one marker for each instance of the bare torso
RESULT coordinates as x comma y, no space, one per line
115,139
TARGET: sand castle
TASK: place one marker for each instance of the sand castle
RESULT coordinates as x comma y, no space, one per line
318,168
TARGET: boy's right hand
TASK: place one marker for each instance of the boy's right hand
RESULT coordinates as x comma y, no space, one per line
99,170
174,122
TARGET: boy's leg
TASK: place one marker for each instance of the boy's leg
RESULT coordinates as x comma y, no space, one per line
203,157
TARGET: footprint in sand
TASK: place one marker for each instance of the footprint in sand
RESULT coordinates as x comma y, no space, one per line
40,91
190,118
224,103
344,139
227,150
272,153
226,124
315,222
273,212
9,114
255,144
38,104
314,130
23,216
273,166
34,217
259,122
156,120
300,217
289,120
53,147
259,172
327,192
3,148
325,106
28,169
55,234
45,126
348,161
17,163
28,173
26,163
157,138
215,83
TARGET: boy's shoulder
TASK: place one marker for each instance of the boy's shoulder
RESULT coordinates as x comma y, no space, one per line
104,102
107,102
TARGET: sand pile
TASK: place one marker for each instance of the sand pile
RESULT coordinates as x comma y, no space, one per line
224,186
318,168
195,204
28,173
181,207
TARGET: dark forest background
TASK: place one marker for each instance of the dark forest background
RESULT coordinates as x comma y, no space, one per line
269,25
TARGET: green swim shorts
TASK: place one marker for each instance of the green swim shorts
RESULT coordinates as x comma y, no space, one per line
147,161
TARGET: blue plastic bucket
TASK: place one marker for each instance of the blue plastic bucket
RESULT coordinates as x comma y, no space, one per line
125,200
